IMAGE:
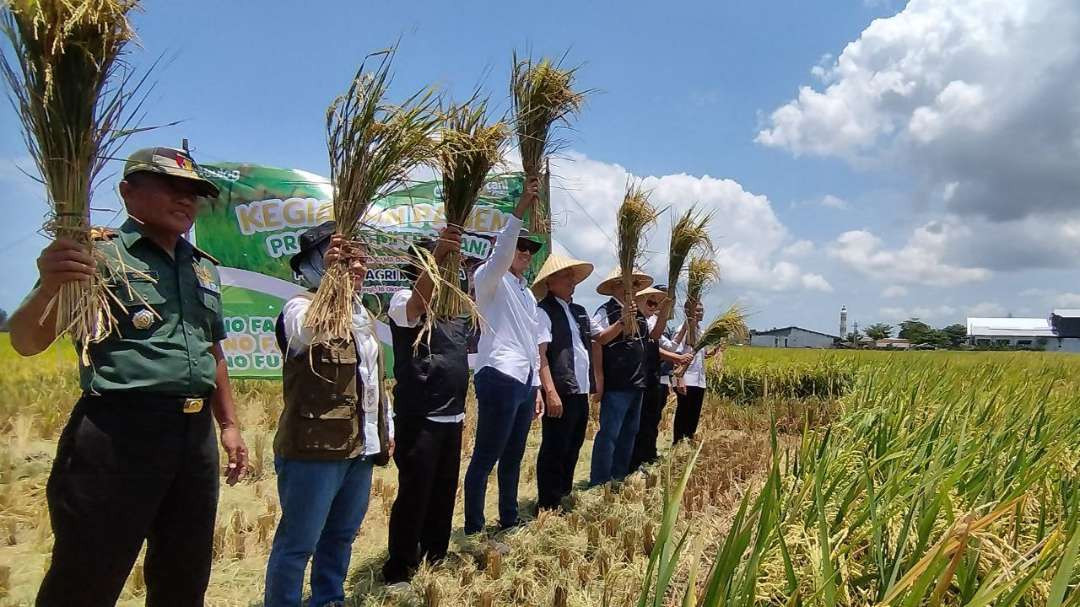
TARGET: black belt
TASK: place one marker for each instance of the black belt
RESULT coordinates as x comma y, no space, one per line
151,400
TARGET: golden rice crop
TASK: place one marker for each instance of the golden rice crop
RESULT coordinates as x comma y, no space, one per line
74,97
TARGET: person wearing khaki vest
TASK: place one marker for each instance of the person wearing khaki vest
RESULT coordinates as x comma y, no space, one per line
334,428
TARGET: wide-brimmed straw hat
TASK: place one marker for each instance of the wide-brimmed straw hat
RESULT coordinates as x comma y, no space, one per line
557,263
650,291
612,283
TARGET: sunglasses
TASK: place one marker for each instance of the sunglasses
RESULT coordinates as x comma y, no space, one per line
526,246
652,302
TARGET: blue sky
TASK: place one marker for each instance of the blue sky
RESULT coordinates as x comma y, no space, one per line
913,165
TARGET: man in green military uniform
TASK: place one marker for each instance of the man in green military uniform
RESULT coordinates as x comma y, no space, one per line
137,460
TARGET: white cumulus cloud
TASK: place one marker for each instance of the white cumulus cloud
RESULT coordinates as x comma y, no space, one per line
920,261
749,238
977,97
894,291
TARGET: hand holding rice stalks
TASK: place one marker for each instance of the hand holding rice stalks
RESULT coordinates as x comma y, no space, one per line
634,215
470,148
373,146
688,234
72,93
729,327
543,94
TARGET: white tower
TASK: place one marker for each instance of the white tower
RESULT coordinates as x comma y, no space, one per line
843,322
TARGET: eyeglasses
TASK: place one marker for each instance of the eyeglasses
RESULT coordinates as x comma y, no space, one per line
652,302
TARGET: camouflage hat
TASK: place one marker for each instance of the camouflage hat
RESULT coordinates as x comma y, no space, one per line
172,162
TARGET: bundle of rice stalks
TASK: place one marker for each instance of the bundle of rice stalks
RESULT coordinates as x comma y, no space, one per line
700,274
543,94
373,146
470,148
729,327
688,233
73,96
634,215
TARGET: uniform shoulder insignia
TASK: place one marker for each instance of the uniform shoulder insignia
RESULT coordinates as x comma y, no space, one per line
103,234
201,253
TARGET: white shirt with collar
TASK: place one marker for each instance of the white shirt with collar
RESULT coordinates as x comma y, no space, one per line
509,328
581,350
695,372
399,314
299,339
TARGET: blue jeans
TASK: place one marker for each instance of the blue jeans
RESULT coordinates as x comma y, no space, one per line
504,412
322,506
620,416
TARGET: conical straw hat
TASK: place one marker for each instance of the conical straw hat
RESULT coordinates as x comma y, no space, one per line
650,291
555,263
609,285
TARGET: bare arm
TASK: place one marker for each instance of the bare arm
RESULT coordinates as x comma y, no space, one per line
449,240
547,384
225,413
609,334
61,262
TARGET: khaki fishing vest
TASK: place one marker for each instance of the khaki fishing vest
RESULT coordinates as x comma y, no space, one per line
323,417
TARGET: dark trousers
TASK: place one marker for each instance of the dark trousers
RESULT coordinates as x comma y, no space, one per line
688,412
559,448
428,458
504,412
652,409
127,472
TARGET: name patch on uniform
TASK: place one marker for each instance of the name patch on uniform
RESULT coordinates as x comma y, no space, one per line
205,278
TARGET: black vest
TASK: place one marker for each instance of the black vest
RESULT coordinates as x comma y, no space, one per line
432,377
625,364
560,352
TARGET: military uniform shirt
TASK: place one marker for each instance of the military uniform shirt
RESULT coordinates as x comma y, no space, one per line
162,340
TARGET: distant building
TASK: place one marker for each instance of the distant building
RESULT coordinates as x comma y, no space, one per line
1058,333
843,321
894,343
791,337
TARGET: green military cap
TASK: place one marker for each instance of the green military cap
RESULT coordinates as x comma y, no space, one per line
169,161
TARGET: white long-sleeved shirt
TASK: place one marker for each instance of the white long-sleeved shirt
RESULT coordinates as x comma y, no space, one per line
398,312
300,337
508,337
695,373
581,350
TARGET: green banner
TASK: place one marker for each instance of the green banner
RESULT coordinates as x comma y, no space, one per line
253,229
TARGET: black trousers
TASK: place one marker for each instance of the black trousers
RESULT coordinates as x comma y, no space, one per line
428,458
652,409
559,448
132,469
687,413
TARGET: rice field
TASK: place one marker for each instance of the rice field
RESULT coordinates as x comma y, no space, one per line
897,478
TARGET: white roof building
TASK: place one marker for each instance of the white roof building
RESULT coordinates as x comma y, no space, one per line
1053,334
